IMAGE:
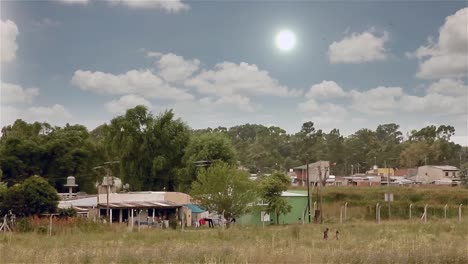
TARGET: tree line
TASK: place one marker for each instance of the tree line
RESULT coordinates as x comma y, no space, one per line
159,152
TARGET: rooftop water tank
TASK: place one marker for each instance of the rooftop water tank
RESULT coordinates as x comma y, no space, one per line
70,181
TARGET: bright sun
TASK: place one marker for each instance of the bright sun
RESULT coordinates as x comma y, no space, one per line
285,40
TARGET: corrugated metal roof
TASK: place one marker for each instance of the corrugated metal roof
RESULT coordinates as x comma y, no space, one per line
292,194
446,167
141,204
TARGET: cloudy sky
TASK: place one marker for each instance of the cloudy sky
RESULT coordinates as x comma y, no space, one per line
354,64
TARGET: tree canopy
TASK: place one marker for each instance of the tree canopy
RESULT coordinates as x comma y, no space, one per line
225,189
157,152
32,197
271,188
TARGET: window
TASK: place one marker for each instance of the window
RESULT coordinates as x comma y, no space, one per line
454,174
446,174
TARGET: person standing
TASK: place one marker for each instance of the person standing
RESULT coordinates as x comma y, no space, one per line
325,234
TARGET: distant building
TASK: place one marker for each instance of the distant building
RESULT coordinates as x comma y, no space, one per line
433,174
383,172
298,214
315,169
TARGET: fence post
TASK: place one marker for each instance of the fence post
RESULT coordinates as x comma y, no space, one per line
425,214
377,213
346,211
410,206
445,210
341,215
460,213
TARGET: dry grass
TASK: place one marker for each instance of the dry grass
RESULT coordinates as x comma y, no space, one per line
364,242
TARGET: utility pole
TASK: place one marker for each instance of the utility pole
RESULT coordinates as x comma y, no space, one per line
352,175
387,170
108,185
308,188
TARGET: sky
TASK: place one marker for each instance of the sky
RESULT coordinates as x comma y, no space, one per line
354,65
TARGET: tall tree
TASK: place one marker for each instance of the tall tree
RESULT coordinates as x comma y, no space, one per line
224,189
271,188
150,148
205,147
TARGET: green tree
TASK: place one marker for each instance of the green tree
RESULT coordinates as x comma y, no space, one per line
150,148
207,146
463,174
32,197
271,188
224,189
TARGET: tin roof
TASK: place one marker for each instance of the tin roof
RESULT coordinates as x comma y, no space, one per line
141,204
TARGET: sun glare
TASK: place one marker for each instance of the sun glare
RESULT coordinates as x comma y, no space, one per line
285,40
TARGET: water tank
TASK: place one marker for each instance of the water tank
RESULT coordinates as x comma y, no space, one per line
70,181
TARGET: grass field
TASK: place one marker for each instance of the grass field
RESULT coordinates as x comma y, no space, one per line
362,200
437,241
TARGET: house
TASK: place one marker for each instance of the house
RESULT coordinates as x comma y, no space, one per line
406,173
258,216
317,170
146,207
134,207
383,172
362,180
437,174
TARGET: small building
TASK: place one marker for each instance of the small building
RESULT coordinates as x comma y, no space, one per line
437,174
146,207
258,215
134,207
317,170
363,180
383,172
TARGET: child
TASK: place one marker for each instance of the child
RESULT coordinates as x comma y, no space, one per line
325,234
337,235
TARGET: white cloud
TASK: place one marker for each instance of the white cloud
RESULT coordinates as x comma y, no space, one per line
241,102
8,33
358,48
174,68
326,115
170,6
380,100
12,93
434,104
325,89
227,79
125,102
448,57
455,87
73,2
141,82
56,114
308,106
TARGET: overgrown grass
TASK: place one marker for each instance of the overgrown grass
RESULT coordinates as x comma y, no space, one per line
437,241
362,200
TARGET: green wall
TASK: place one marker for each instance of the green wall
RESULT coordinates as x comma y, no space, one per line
298,204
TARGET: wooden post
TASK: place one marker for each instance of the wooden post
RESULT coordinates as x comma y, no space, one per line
346,211
341,215
139,214
120,215
50,225
110,216
377,213
410,206
445,210
459,213
131,217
